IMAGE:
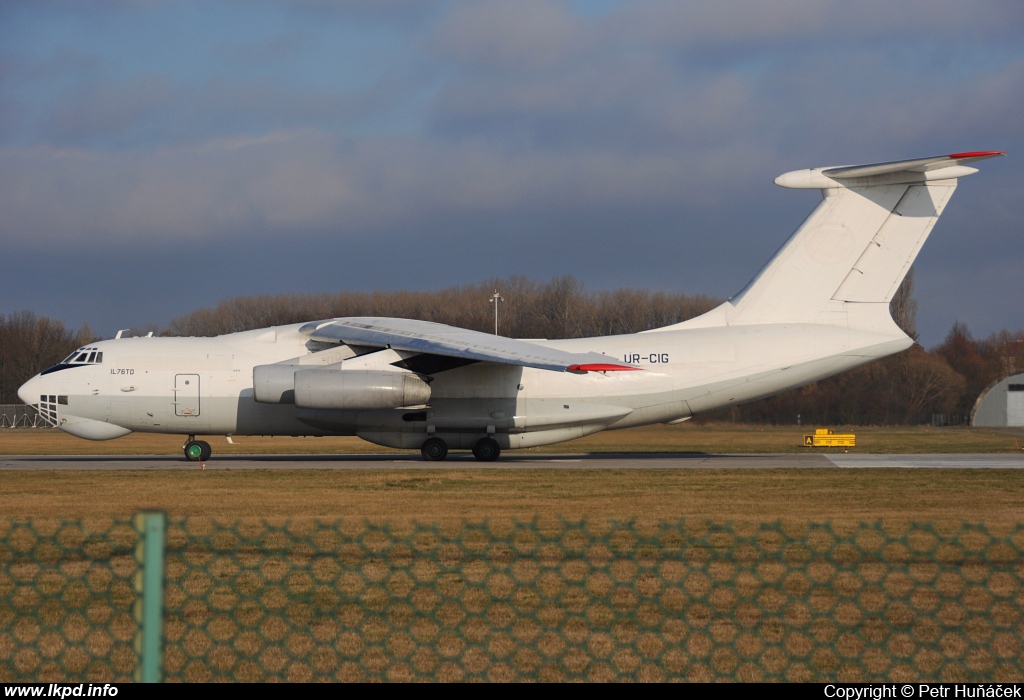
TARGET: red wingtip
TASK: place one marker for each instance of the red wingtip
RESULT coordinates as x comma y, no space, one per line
600,368
976,154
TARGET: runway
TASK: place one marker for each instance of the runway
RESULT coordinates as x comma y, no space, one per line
520,461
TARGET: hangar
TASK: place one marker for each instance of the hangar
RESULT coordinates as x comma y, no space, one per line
1002,404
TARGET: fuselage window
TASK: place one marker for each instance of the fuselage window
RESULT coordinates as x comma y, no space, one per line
62,400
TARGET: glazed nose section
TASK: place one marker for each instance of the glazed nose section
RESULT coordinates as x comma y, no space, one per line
29,392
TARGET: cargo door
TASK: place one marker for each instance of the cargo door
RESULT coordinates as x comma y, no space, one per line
1015,405
186,394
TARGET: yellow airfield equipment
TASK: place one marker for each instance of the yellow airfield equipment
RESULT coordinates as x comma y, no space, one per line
823,437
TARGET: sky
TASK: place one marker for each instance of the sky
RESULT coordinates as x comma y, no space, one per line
158,157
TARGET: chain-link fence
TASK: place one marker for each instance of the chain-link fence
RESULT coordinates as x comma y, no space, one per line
66,601
314,600
21,416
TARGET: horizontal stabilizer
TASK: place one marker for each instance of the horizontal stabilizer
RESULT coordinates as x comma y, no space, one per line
919,165
898,171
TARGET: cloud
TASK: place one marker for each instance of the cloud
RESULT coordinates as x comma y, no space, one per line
388,11
64,63
510,36
307,183
265,50
603,129
152,111
753,23
495,115
82,197
98,110
636,102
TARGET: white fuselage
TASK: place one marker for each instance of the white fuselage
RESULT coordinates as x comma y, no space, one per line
204,386
818,307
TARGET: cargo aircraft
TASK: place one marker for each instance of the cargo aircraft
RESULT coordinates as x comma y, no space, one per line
820,306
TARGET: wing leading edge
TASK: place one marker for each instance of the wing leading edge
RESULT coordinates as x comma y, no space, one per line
449,341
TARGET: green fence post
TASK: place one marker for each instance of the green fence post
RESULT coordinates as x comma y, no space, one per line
149,585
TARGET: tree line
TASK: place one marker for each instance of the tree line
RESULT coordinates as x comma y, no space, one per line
902,389
906,388
30,344
558,308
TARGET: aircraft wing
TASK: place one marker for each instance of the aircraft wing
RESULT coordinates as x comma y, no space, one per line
449,341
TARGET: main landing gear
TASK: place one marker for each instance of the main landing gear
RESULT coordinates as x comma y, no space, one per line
197,450
435,449
486,450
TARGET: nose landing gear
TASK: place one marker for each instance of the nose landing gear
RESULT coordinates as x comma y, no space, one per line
197,450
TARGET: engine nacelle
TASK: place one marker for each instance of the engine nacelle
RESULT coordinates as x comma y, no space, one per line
361,390
274,383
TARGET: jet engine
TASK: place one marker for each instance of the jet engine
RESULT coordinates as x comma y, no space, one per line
360,390
274,383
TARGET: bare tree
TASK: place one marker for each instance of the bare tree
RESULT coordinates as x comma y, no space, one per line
30,344
559,308
904,306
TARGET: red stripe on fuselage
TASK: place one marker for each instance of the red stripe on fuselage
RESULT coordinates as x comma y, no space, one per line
600,368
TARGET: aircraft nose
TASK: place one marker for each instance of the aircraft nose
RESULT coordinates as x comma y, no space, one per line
29,391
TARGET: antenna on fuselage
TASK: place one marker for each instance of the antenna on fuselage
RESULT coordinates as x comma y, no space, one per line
121,333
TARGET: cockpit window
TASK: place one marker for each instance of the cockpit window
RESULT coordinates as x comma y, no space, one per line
84,356
79,358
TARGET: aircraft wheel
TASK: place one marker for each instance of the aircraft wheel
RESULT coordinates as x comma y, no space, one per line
194,450
434,449
486,450
198,450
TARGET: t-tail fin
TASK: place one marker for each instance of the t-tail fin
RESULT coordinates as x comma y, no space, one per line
856,246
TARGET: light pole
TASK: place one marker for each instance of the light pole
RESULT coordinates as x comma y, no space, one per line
494,299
